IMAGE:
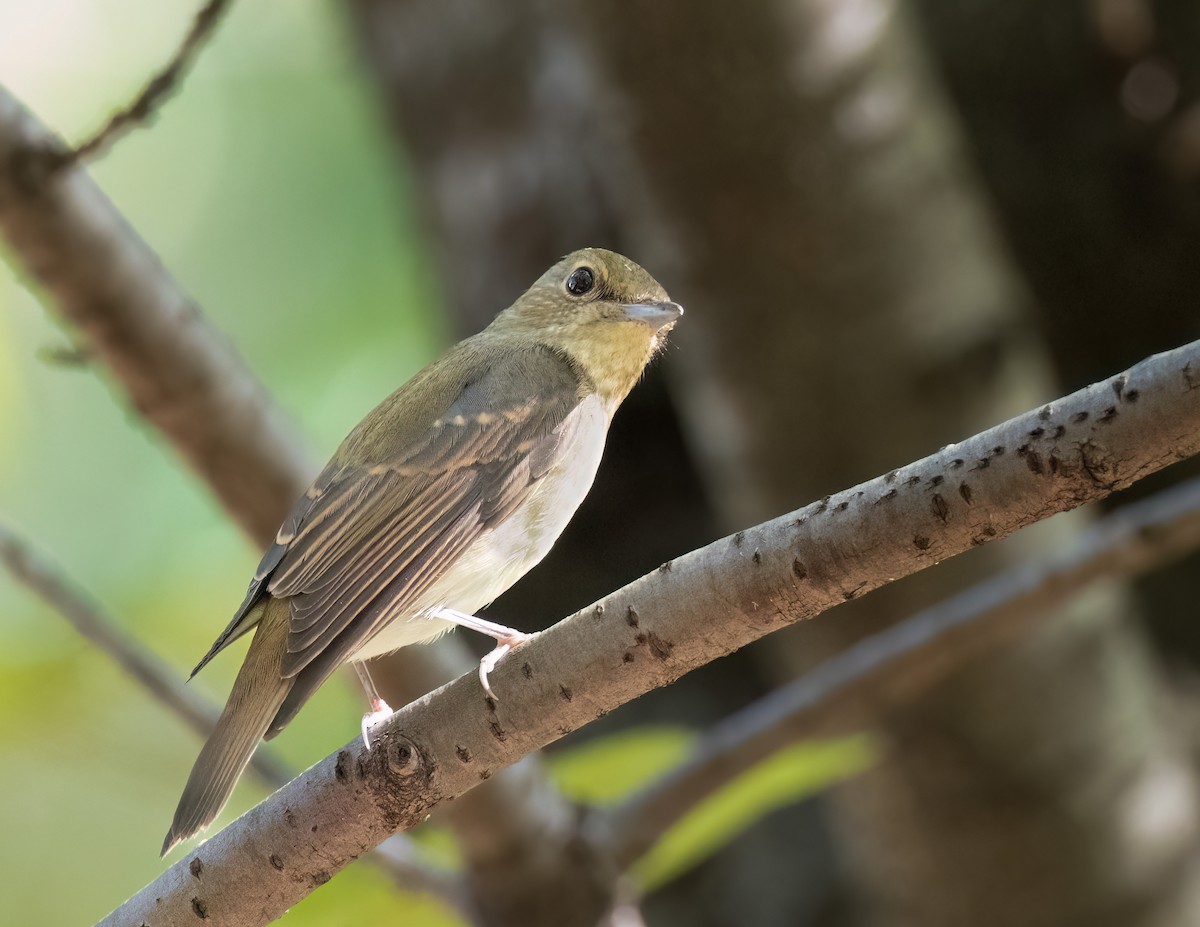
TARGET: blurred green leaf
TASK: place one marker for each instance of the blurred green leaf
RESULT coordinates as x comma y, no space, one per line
438,844
603,770
785,778
365,896
607,769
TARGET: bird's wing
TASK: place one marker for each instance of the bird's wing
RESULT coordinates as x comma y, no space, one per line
368,538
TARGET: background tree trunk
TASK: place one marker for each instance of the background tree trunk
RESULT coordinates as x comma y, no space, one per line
504,122
1083,120
794,172
850,306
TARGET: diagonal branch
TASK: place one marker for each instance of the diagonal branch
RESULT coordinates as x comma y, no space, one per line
690,611
157,89
894,665
179,373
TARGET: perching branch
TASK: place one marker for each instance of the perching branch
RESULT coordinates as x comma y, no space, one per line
178,372
894,665
526,862
688,612
156,91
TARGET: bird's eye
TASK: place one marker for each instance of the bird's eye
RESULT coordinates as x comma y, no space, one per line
581,281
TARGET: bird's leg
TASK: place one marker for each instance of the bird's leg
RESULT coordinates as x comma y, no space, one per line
380,711
507,640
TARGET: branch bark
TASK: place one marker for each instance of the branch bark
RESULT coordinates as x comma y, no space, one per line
1099,202
895,665
828,219
689,612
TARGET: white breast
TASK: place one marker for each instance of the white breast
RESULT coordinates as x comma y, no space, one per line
503,555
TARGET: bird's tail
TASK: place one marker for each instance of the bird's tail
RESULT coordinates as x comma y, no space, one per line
257,693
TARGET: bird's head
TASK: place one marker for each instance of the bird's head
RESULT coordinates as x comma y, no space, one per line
603,310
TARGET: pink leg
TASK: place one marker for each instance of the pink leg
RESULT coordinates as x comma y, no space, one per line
507,640
379,712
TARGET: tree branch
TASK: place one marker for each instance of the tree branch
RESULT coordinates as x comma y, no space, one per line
181,375
895,665
526,860
688,612
156,91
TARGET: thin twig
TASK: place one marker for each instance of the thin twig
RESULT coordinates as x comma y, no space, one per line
397,856
896,664
91,621
156,90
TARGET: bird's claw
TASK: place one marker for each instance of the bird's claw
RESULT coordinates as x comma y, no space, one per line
378,714
491,660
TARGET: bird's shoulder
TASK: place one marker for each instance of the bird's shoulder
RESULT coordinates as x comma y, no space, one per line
489,384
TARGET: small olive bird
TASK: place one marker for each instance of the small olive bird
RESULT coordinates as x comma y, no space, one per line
443,497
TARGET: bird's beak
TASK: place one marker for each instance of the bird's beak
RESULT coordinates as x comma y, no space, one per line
656,315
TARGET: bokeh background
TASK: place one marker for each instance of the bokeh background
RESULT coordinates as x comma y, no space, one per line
298,242
892,224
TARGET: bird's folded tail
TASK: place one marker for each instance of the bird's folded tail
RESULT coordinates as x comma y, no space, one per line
257,693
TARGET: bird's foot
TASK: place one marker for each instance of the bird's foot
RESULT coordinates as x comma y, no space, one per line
379,714
504,646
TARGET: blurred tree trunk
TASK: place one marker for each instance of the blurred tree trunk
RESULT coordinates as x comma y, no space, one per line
1084,121
851,308
502,121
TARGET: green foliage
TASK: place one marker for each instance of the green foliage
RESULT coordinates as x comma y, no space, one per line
791,775
608,769
360,895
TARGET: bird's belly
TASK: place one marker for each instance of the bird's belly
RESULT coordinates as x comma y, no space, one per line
507,552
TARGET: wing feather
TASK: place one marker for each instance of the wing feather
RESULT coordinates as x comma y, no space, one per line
398,543
374,603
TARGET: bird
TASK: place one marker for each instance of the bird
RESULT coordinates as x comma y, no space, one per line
439,500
